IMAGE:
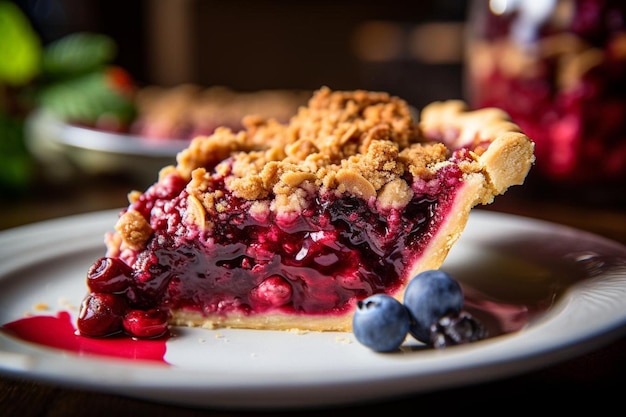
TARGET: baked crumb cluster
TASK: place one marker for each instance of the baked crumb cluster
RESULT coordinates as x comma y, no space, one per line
338,132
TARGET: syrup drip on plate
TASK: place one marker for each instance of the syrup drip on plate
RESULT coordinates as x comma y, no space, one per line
59,332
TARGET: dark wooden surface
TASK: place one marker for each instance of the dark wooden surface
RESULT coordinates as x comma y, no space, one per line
588,380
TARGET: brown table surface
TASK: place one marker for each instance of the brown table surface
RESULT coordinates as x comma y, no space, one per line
586,380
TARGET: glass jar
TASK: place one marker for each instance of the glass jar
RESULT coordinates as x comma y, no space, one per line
558,67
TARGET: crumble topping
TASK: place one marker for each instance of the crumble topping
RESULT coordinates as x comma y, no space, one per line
358,142
351,142
334,127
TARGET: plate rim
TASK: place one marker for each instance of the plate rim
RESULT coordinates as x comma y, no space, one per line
85,138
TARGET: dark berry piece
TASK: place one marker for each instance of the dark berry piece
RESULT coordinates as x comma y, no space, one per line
381,323
110,275
429,296
145,323
456,329
101,315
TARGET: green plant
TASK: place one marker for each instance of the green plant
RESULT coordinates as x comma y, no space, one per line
71,78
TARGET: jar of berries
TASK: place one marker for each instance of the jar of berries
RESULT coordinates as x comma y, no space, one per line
558,67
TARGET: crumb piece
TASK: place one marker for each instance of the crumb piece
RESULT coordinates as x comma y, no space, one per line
298,331
67,304
134,229
343,340
395,194
41,307
196,214
133,196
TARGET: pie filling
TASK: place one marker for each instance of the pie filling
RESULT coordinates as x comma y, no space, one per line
339,249
296,232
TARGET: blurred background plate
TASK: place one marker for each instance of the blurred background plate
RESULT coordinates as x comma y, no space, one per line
66,150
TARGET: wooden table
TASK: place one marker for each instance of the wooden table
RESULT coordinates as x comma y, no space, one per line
587,380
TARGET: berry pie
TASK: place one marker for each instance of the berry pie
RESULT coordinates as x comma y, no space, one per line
287,225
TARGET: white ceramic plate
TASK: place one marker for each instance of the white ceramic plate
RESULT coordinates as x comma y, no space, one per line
45,264
65,148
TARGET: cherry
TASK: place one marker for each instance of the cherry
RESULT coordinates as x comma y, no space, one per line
101,314
145,323
110,275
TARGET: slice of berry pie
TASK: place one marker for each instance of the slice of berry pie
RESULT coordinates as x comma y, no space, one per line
286,226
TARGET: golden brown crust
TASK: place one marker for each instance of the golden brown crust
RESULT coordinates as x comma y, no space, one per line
355,142
270,321
505,153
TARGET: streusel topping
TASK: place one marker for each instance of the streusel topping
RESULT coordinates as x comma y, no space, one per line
357,142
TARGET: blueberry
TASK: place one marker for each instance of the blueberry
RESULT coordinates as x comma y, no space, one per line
381,323
429,296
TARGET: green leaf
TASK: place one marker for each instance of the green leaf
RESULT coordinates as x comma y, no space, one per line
16,164
20,47
84,99
77,54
